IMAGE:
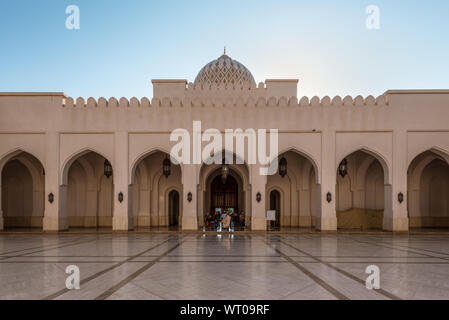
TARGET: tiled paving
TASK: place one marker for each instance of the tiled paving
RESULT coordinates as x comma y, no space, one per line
240,266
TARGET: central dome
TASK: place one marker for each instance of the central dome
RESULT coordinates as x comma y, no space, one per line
226,71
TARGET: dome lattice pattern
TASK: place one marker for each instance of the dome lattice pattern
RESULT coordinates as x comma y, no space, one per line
226,71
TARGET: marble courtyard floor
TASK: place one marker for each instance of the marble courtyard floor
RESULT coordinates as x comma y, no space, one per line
240,266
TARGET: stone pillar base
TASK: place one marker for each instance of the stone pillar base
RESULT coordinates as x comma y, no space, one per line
326,224
122,224
258,224
1,223
55,224
396,224
189,224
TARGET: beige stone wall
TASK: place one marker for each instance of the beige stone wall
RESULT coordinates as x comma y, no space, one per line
394,128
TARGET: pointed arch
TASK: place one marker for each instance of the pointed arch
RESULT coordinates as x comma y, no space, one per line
4,158
444,154
67,163
306,155
378,156
135,162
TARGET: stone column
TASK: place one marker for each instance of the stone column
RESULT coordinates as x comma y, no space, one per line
258,209
395,213
56,213
326,212
189,209
123,212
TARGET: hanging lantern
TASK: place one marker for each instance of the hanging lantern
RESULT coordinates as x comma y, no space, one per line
283,167
224,171
400,197
51,197
343,168
107,169
166,167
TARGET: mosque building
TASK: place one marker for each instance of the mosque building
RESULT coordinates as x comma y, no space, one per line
344,162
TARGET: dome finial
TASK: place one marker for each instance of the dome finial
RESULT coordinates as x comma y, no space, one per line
224,50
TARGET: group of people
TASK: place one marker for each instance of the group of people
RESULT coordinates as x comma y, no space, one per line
226,220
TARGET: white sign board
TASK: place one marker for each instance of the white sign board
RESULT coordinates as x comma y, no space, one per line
271,215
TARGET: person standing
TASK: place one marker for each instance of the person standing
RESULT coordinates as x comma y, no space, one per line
242,219
207,219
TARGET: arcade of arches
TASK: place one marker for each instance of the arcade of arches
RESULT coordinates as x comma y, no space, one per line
157,200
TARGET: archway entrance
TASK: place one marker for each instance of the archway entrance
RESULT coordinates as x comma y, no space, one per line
428,191
89,181
224,196
22,192
173,208
293,194
214,197
156,193
275,204
360,192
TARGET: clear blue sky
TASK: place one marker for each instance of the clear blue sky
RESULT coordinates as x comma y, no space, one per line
122,45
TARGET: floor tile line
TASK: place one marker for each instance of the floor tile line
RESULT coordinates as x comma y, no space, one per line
399,249
219,261
135,274
49,248
428,250
38,247
347,274
312,276
96,275
226,261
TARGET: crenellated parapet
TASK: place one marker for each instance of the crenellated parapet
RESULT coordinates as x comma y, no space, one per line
214,100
